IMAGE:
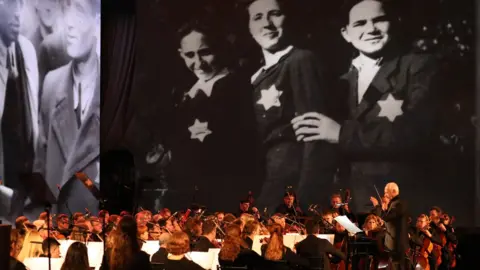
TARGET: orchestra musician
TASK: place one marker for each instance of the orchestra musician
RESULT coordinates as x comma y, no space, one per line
246,208
314,247
208,238
423,237
374,231
447,236
340,207
63,225
289,206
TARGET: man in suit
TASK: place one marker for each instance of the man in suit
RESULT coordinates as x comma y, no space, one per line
391,96
395,216
18,110
70,114
314,247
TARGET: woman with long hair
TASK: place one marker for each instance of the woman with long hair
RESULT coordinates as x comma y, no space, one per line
177,247
76,258
275,250
124,249
235,251
290,83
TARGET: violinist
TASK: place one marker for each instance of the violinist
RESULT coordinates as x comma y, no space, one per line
289,206
63,226
422,237
327,220
96,228
374,232
193,227
154,231
208,238
252,228
52,245
104,214
340,207
447,235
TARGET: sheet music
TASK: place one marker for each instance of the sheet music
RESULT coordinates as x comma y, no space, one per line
347,224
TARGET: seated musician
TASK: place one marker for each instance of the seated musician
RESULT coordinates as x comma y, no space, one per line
165,213
440,222
235,251
16,244
341,234
278,219
161,255
104,214
327,221
142,233
193,228
63,225
342,209
154,231
240,223
80,232
424,232
53,245
314,247
275,250
245,208
289,207
220,216
177,247
96,228
208,238
20,221
78,217
252,228
374,231
125,213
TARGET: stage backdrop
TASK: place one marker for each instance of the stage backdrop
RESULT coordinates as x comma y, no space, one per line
147,74
50,105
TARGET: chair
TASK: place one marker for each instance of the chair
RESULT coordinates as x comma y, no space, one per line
157,266
219,267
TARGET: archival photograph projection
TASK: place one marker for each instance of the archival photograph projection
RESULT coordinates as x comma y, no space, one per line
49,107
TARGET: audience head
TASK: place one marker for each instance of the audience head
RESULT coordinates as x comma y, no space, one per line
77,257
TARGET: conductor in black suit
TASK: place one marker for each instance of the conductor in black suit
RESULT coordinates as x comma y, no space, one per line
395,216
390,95
314,247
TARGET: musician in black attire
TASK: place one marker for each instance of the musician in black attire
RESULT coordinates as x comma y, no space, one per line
245,208
438,223
421,231
314,247
63,225
178,246
340,207
161,255
289,206
205,241
395,217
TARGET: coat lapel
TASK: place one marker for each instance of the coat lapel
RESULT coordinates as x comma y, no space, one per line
265,74
63,118
380,85
86,146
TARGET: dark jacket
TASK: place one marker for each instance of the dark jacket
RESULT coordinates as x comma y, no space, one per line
314,247
396,235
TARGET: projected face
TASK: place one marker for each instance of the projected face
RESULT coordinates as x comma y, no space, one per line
266,24
198,55
368,29
81,28
10,20
47,11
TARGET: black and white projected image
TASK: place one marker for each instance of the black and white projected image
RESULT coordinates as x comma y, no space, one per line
50,110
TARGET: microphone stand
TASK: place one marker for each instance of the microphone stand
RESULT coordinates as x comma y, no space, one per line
47,210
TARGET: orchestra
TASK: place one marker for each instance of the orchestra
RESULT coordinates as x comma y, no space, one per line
431,240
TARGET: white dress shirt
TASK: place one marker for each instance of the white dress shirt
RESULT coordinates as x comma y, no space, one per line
87,84
367,69
271,59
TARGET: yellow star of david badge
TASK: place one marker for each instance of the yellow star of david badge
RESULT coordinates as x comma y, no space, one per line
199,130
390,108
270,98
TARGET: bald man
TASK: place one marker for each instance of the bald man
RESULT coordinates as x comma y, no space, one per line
395,216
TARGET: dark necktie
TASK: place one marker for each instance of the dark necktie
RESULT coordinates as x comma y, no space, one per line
78,110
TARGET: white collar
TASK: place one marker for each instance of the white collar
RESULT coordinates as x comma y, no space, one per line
363,61
206,86
272,59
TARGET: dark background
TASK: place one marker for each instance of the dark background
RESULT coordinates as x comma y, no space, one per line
141,66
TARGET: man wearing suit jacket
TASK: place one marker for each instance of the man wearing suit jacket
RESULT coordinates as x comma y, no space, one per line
70,114
395,216
18,110
391,97
314,247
